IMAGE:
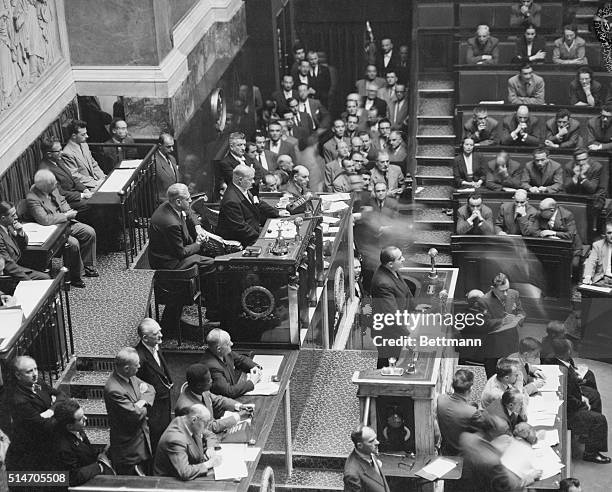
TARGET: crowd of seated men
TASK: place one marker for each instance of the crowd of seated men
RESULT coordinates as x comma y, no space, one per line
49,428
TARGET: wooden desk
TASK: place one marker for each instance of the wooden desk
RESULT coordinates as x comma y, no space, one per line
39,257
596,309
266,408
405,467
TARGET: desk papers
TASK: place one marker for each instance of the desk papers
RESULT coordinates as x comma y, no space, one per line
116,180
335,207
38,234
271,368
264,389
547,438
28,293
130,164
288,229
335,197
552,374
438,468
10,322
234,458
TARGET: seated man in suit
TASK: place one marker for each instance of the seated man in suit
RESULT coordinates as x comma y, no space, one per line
468,167
515,217
13,242
197,391
563,131
241,214
474,217
69,186
584,177
482,49
385,172
232,374
181,452
542,175
598,266
520,129
177,242
119,131
556,222
503,314
525,12
363,470
47,207
482,129
72,450
599,129
456,414
503,173
527,356
506,412
507,375
78,157
526,87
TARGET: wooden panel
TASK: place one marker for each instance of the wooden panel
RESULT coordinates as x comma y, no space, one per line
498,14
439,15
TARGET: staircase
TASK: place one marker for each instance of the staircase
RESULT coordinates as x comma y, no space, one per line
434,176
584,12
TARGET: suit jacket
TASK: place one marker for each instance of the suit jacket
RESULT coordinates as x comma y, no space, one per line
330,151
460,169
118,154
227,374
167,173
11,248
551,177
81,163
398,120
484,227
29,449
361,85
576,93
130,443
564,226
399,157
509,125
494,182
46,210
319,113
151,372
495,309
179,453
488,136
520,93
171,239
270,160
475,51
457,415
285,149
75,455
225,168
321,83
575,55
216,405
596,264
393,62
305,122
598,135
281,101
593,183
394,179
507,222
241,219
342,183
520,50
389,294
360,476
378,103
570,140
503,422
69,186
517,19
387,95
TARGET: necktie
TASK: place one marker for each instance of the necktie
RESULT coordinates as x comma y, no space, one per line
395,112
156,357
386,176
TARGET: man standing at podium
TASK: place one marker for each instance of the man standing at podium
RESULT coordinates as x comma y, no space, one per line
390,294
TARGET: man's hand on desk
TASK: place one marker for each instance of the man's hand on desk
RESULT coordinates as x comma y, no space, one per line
255,377
283,213
215,460
548,234
587,280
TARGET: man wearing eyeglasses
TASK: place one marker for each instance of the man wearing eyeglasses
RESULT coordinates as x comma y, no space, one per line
515,217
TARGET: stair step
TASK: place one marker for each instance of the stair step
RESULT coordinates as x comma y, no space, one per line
435,150
88,384
434,238
95,364
443,260
427,129
436,193
442,92
98,436
302,479
432,215
432,160
436,106
433,136
92,406
434,172
435,84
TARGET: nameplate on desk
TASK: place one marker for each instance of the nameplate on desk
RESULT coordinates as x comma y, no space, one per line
116,180
38,234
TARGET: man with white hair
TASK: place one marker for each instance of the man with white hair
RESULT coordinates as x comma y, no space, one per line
47,206
483,49
241,214
235,156
515,217
232,374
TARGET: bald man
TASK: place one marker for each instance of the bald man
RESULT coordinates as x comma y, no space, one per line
520,129
482,49
241,214
515,217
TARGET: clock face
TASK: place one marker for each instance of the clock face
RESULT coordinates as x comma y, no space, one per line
257,302
218,109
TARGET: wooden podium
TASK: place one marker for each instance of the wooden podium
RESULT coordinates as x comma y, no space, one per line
596,307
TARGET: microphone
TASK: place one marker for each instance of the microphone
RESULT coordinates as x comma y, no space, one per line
302,200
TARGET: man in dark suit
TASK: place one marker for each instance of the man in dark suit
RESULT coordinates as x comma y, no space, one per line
585,176
563,131
13,242
398,154
154,371
264,157
390,294
371,100
232,374
503,172
241,214
276,144
197,391
474,217
181,453
520,129
287,91
128,399
456,414
69,186
469,169
166,169
398,109
235,156
296,128
319,78
298,187
515,217
330,148
508,411
119,130
319,113
300,119
542,175
599,130
176,242
388,58
482,129
363,470
72,450
30,408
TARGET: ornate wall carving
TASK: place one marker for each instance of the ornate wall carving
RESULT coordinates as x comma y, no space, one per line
29,45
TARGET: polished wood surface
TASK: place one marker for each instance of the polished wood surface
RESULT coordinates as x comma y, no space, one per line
38,257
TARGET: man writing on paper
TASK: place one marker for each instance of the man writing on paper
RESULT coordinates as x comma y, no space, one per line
181,452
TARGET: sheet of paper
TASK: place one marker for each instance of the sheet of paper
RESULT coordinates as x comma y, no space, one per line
10,322
29,292
517,457
238,451
264,389
335,197
271,365
288,230
330,220
38,234
596,288
466,190
130,164
336,207
230,468
547,438
548,461
436,469
492,102
115,181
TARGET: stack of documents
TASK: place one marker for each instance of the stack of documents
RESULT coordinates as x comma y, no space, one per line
38,234
552,374
233,461
543,409
271,369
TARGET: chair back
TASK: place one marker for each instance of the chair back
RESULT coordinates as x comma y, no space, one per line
177,286
207,215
